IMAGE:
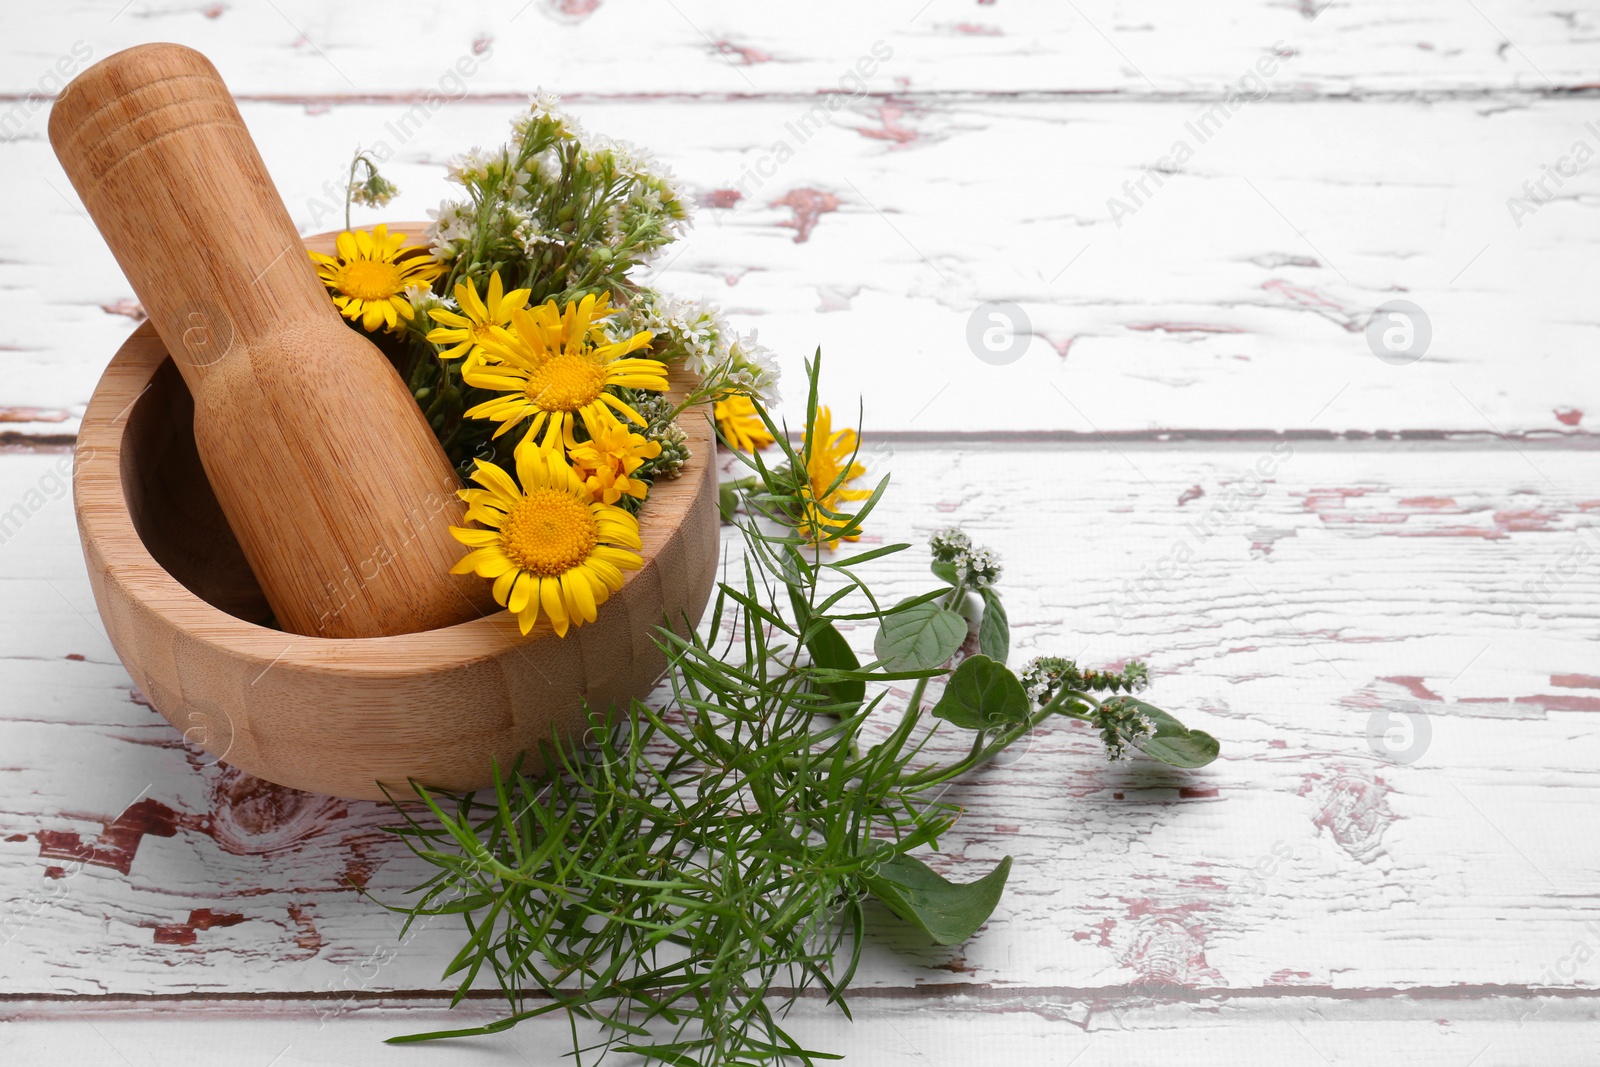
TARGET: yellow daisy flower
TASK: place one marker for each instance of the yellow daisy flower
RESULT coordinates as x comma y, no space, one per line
831,456
369,277
607,461
740,425
555,367
547,544
467,330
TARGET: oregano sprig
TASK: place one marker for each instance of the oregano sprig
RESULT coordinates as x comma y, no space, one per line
676,883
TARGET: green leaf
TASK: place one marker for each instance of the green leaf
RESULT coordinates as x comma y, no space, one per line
994,631
981,695
945,572
831,651
727,500
919,637
947,912
1172,743
863,557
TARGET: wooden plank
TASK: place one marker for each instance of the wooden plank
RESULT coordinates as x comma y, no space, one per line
696,47
1038,1030
1292,599
1226,298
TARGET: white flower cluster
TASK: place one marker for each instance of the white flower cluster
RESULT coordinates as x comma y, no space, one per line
689,330
606,203
527,230
424,300
473,166
544,166
543,107
753,369
976,568
373,192
697,333
450,230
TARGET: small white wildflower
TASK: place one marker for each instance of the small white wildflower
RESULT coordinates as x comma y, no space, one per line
469,167
526,230
422,300
612,229
546,166
754,368
374,191
975,567
452,223
644,198
633,161
544,105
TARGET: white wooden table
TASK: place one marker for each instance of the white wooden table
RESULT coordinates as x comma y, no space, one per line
1423,554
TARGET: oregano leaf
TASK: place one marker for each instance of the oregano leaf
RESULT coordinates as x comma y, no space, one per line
920,637
1170,741
727,500
994,629
944,910
982,695
830,650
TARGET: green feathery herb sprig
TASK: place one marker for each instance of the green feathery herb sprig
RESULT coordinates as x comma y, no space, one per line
676,884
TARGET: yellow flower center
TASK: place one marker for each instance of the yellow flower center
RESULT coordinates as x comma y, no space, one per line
370,279
566,383
548,533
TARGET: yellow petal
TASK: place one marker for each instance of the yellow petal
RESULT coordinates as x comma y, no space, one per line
492,477
467,297
623,559
449,318
478,557
550,599
475,538
575,584
521,590
609,574
502,587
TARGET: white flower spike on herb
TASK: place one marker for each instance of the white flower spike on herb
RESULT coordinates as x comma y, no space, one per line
663,883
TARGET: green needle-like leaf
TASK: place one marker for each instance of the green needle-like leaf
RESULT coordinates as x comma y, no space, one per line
677,882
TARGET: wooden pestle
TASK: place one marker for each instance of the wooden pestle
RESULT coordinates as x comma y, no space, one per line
324,465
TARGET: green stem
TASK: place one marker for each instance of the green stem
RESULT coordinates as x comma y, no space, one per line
915,703
349,187
957,596
981,753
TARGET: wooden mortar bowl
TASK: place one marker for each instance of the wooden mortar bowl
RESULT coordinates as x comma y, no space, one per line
340,716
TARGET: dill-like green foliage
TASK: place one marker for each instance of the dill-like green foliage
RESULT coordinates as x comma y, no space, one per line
675,883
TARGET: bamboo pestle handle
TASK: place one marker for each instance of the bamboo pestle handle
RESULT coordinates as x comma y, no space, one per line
324,465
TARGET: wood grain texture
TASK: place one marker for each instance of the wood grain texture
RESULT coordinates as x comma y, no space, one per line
1350,587
348,717
1309,898
1233,300
714,47
1021,1029
314,447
